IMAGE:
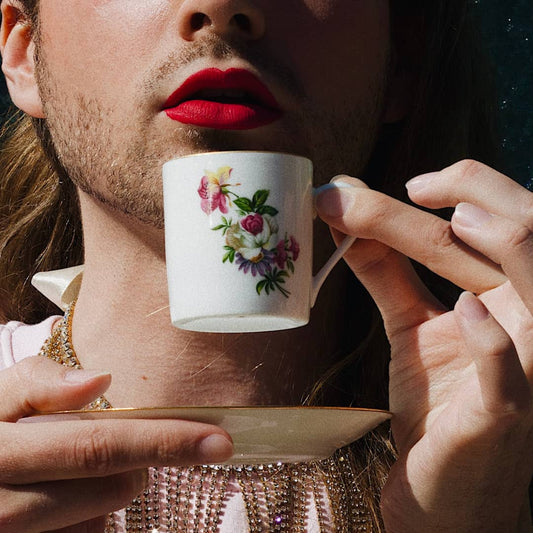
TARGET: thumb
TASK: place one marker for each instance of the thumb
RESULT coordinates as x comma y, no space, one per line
37,384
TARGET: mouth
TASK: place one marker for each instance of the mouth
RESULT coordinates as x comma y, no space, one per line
233,99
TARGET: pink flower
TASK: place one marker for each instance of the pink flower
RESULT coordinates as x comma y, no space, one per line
253,224
281,254
294,248
212,192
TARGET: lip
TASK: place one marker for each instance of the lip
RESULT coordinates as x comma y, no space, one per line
198,102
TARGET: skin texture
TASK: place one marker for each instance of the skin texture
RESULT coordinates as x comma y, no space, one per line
86,99
460,381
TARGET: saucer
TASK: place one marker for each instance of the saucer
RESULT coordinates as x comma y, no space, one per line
261,435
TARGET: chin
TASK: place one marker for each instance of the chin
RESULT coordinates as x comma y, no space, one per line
269,138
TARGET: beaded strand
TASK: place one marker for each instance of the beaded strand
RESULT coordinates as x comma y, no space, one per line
277,497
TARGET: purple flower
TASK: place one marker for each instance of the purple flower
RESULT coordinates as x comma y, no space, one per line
253,224
281,254
260,264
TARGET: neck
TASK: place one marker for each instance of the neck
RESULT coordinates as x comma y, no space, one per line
122,325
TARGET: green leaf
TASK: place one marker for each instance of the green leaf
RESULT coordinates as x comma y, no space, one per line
267,210
260,197
290,266
244,204
230,255
261,285
225,226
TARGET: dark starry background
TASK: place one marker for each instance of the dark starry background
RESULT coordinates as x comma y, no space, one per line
507,29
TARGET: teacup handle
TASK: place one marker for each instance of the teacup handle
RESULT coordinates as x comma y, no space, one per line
323,273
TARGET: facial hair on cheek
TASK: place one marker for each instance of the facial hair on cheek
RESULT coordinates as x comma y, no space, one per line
119,164
115,169
127,178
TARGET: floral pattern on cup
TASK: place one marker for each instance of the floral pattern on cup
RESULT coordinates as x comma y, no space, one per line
251,233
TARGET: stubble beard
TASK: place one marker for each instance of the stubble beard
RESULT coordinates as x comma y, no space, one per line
123,172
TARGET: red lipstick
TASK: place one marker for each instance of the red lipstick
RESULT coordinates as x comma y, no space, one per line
233,99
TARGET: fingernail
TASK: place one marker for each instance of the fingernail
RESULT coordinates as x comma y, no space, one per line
420,182
334,199
470,216
340,177
83,376
472,308
215,449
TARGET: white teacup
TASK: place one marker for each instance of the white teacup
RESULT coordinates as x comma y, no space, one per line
239,241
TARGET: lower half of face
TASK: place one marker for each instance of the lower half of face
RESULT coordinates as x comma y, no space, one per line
113,148
119,161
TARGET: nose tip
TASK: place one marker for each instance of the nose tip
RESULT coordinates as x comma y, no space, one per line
235,18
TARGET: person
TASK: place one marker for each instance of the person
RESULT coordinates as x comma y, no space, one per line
374,89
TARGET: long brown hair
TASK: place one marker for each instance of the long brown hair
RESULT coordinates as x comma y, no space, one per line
451,118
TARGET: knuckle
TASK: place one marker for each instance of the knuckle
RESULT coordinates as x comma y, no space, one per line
521,239
25,371
93,451
171,451
372,264
28,378
31,368
497,349
468,169
441,236
373,214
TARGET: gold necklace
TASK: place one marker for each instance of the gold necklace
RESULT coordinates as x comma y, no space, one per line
277,497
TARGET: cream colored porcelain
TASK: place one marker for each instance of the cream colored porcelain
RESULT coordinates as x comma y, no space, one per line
261,435
239,241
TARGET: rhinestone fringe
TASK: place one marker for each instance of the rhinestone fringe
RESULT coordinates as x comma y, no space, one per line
277,497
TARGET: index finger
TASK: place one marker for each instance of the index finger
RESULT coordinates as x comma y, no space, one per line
420,235
45,451
475,183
